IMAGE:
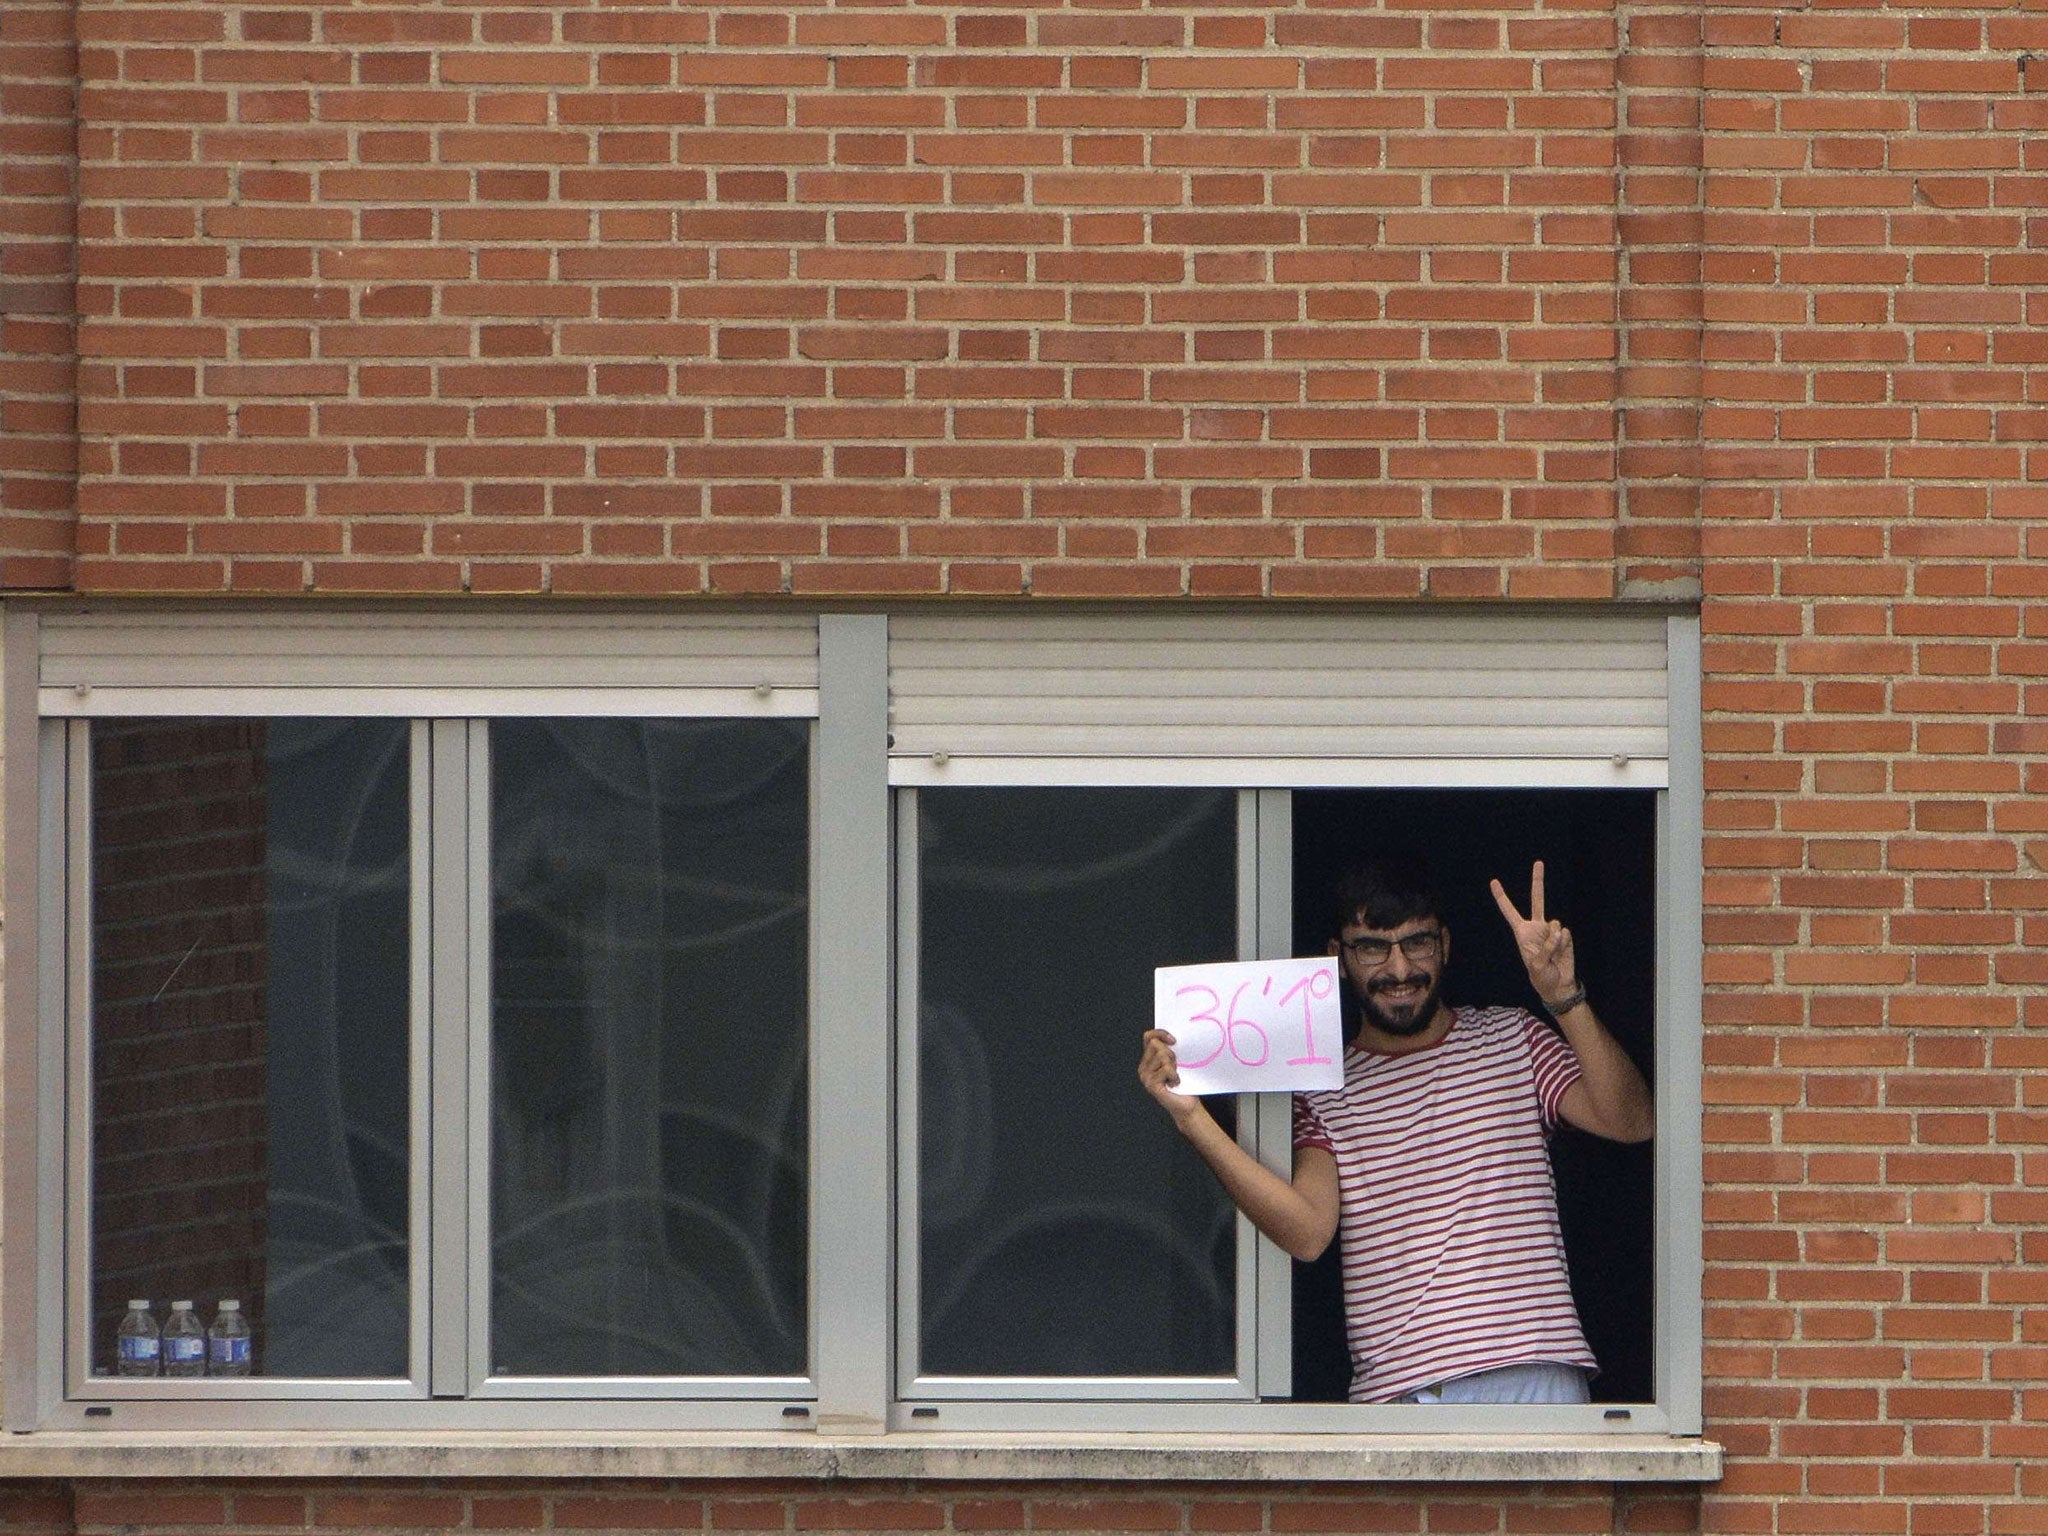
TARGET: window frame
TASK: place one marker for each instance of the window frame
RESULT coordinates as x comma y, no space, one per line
68,742
925,1398
464,1066
1265,1124
856,1139
449,1052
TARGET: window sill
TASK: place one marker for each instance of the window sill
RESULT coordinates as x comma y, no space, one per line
1235,1458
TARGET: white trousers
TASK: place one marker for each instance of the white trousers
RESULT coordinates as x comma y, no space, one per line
1540,1381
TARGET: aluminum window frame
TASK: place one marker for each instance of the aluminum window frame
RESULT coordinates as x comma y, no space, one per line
72,832
925,1397
1677,1252
853,1386
467,743
48,816
449,1082
1182,1405
449,1067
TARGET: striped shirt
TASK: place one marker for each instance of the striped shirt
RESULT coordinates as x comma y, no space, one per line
1453,1260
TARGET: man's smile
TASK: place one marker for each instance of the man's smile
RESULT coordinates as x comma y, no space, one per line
1401,991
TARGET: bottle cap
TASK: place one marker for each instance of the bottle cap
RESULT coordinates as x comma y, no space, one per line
139,1306
181,1306
231,1305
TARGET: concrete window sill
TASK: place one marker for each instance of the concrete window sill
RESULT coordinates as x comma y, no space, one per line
1150,1457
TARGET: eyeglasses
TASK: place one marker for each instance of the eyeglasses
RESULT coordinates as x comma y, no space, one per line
1416,946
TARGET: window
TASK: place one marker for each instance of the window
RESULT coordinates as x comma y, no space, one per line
729,1018
262,1024
648,940
1083,796
1059,1232
1599,848
1106,1264
250,1119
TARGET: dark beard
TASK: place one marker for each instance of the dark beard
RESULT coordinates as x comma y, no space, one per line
1401,1029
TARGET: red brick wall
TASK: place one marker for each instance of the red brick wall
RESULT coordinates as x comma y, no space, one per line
52,1510
1298,299
1386,299
38,362
1874,518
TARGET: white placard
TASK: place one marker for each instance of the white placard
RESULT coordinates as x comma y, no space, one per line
1252,1026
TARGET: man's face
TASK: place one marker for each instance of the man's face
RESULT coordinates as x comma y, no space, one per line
1397,973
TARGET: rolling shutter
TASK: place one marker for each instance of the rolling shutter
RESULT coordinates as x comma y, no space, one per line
1248,698
419,663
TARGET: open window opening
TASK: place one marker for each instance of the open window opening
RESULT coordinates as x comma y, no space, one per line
1065,1243
1599,853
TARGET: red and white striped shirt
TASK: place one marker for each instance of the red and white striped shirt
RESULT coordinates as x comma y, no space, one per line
1453,1260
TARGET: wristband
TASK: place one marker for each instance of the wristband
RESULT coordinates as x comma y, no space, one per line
1566,1003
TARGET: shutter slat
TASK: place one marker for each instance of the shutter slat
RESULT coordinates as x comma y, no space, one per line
1021,713
961,683
1521,741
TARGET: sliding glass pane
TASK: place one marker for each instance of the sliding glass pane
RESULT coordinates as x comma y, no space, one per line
250,1005
650,918
1064,1227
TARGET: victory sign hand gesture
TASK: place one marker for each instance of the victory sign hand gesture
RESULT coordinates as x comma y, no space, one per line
1545,943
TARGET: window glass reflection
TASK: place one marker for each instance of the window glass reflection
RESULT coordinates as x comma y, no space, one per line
250,1013
1064,1227
649,908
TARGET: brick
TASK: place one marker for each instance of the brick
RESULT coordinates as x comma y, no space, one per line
1351,1515
110,1506
1104,1515
620,1512
869,1515
405,1511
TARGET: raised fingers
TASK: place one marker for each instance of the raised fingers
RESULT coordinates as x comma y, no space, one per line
1536,891
1507,907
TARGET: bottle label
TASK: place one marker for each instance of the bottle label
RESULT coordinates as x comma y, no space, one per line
230,1351
180,1351
137,1349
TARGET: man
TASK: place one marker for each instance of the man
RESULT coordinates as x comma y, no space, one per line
1433,1157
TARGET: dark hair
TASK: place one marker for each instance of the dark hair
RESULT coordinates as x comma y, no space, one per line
1384,890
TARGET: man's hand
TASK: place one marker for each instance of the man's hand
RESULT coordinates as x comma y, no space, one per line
1299,1214
1610,1098
1159,1071
1545,943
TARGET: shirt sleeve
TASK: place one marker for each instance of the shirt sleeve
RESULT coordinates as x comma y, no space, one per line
1309,1130
1555,1065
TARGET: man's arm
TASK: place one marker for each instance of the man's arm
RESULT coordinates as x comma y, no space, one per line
1301,1216
1610,1098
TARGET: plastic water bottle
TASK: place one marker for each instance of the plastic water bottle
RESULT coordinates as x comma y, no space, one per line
228,1345
135,1342
184,1342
